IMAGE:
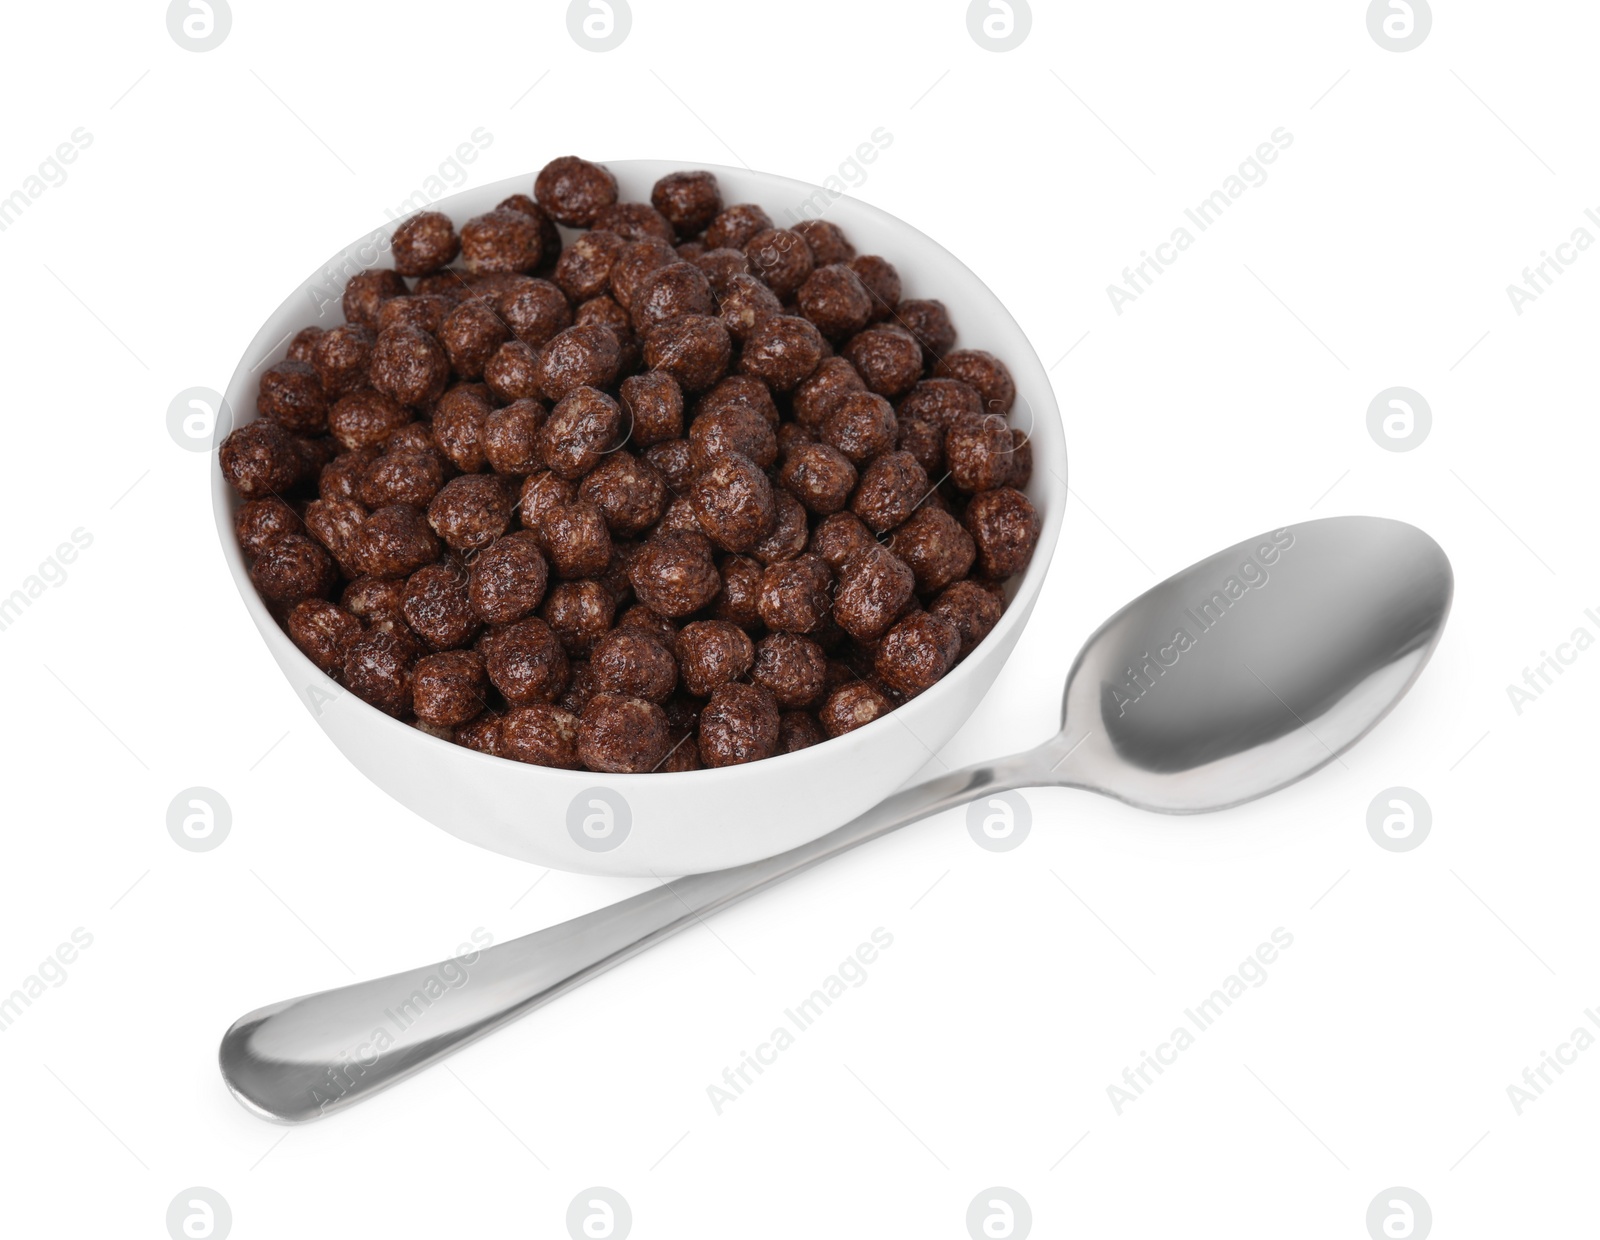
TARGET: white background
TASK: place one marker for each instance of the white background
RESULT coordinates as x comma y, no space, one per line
1230,398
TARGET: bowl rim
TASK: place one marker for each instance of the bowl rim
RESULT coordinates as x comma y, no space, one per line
1022,594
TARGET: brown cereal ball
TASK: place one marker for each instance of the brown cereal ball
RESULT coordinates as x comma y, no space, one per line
303,344
653,403
636,261
712,653
425,243
500,240
1005,526
584,270
941,402
875,586
575,539
471,511
365,419
917,652
366,291
261,522
574,190
292,569
579,613
796,595
793,667
448,688
792,435
580,688
452,282
541,492
395,542
818,396
673,573
740,392
781,258
834,298
888,359
666,292
680,515
720,267
861,426
983,371
838,538
342,357
734,227
470,335
744,304
409,477
733,501
512,373
819,476
322,630
738,601
688,200
739,724
797,730
789,533
581,428
629,492
781,351
318,451
929,321
416,436
674,460
377,668
542,735
693,348
525,661
534,312
978,452
336,524
374,600
826,240
730,428
603,311
437,608
936,547
1021,459
689,251
459,420
852,706
481,734
291,395
925,441
658,626
683,755
635,221
510,437
882,283
973,610
586,356
892,485
631,662
409,366
428,312
549,234
259,460
508,580
622,735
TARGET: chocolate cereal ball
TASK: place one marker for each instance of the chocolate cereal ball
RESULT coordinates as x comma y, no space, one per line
666,292
582,427
409,477
541,734
586,356
448,688
409,366
481,734
365,419
579,613
508,580
782,350
653,405
818,396
834,298
635,221
630,661
303,343
789,533
852,706
292,569
875,586
622,735
459,420
395,542
341,357
525,662
574,191
366,291
636,261
512,373
471,511
978,452
510,437
437,609
792,667
740,392
838,538
575,539
781,258
744,303
470,335
374,600
861,426
819,476
292,396
629,492
735,227
973,610
693,348
984,372
675,462
892,485
712,653
929,321
584,270
261,522
881,281
720,267
796,595
336,524
673,573
917,652
427,311
798,729
500,240
534,312
941,402
733,501
322,630
826,240
542,491
888,358
739,724
936,547
688,200
739,599
731,428
1005,526
259,460
377,668
425,243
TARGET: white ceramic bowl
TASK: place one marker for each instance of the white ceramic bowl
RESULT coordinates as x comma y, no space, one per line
698,820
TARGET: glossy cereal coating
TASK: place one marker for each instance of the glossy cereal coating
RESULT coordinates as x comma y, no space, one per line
694,349
936,547
827,387
781,259
874,587
929,321
985,373
796,595
336,524
733,228
794,668
744,303
341,357
292,569
852,706
576,539
448,688
739,724
534,312
827,241
582,427
437,608
291,395
366,291
395,542
688,200
861,427
630,493
917,652
782,350
378,667
574,190
261,522
472,511
712,653
1005,526
888,359
622,735
259,460
541,734
674,575
630,661
635,221
409,366
579,613
653,405
798,729
510,437
501,240
834,298
426,311
584,269
891,487
636,262
677,288
425,243
525,661
978,451
322,630
512,372
881,281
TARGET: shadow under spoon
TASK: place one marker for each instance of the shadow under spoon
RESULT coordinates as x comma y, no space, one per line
1239,675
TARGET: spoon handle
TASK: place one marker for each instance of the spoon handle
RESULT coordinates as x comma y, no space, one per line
303,1058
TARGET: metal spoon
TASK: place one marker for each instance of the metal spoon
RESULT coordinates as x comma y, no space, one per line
1243,673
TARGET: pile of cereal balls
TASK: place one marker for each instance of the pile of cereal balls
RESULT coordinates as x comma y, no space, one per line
682,490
